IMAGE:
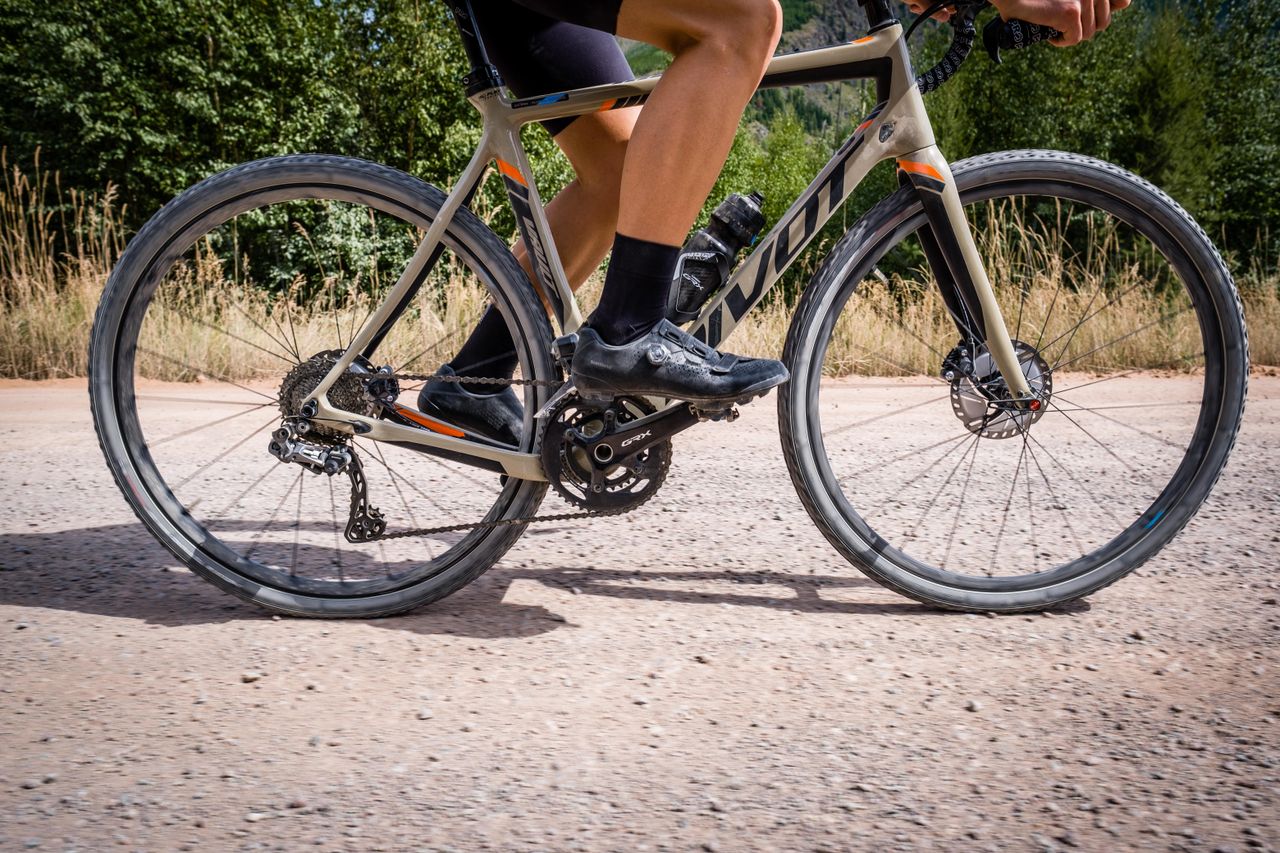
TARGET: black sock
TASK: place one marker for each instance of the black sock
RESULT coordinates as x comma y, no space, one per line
488,352
635,289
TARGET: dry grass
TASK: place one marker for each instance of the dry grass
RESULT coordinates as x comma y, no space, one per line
57,248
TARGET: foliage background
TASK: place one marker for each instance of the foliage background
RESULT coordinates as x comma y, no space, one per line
153,95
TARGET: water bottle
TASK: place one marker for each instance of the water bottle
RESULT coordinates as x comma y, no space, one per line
706,259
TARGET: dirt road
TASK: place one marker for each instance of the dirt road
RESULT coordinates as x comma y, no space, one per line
694,676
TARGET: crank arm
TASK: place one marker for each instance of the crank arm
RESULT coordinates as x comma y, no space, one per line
640,435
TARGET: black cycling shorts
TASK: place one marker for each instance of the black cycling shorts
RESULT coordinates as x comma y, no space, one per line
546,46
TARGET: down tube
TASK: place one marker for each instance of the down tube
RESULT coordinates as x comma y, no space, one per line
786,240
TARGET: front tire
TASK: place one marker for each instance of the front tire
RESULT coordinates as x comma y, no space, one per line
1114,292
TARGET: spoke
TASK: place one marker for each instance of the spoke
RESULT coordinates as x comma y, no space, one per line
1150,435
1076,328
964,491
297,529
906,370
253,546
908,330
1106,305
198,371
1093,498
884,464
411,485
1080,408
1008,503
894,413
284,337
1123,337
234,336
208,424
293,333
1066,517
392,477
159,398
1164,366
432,348
337,536
1048,314
280,341
942,488
1095,439
224,454
274,467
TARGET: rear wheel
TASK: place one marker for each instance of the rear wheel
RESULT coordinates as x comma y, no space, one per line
1129,328
225,312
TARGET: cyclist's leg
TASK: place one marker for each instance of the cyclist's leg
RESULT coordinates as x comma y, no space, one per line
720,49
537,54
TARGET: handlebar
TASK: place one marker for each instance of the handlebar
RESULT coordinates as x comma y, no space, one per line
997,35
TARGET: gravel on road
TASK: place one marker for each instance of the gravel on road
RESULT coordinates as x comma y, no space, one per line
703,674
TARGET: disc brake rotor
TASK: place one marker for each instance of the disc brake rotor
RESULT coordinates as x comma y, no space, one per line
982,402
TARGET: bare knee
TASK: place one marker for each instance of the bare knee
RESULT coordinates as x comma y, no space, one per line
744,32
596,145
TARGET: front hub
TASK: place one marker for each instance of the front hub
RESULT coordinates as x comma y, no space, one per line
981,399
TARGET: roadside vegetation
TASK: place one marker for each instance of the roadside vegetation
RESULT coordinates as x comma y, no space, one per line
114,109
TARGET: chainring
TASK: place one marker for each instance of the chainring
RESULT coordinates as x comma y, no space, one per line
621,484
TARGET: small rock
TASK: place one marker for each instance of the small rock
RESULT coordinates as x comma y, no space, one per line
424,714
973,706
702,658
250,677
641,700
31,783
254,817
296,803
1138,634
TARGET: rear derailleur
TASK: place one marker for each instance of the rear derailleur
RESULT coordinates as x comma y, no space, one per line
290,443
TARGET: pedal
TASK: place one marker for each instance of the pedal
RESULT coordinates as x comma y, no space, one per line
728,414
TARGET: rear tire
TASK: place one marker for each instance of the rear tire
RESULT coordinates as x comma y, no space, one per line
211,545
1171,264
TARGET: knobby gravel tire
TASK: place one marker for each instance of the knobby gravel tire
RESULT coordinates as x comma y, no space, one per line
1220,315
150,254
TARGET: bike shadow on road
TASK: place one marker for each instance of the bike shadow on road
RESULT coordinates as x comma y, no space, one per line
120,571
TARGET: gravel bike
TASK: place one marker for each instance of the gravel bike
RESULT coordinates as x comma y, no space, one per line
253,341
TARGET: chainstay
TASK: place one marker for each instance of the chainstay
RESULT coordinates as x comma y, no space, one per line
504,522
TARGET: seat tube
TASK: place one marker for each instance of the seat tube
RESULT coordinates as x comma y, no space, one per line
931,176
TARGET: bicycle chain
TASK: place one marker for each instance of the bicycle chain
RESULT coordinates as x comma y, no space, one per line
504,522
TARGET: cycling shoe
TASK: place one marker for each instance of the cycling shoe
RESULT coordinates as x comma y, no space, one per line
498,416
669,362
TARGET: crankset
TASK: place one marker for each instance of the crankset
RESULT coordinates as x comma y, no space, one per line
605,456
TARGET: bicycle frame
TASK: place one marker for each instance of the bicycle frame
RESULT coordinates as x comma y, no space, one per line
897,127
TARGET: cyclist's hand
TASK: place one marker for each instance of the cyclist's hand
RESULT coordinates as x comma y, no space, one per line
918,7
1077,20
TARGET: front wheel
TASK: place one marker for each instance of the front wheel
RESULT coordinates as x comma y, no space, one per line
1127,325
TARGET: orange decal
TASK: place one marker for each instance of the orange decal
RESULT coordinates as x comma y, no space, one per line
424,421
511,172
921,169
864,125
864,40
607,105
